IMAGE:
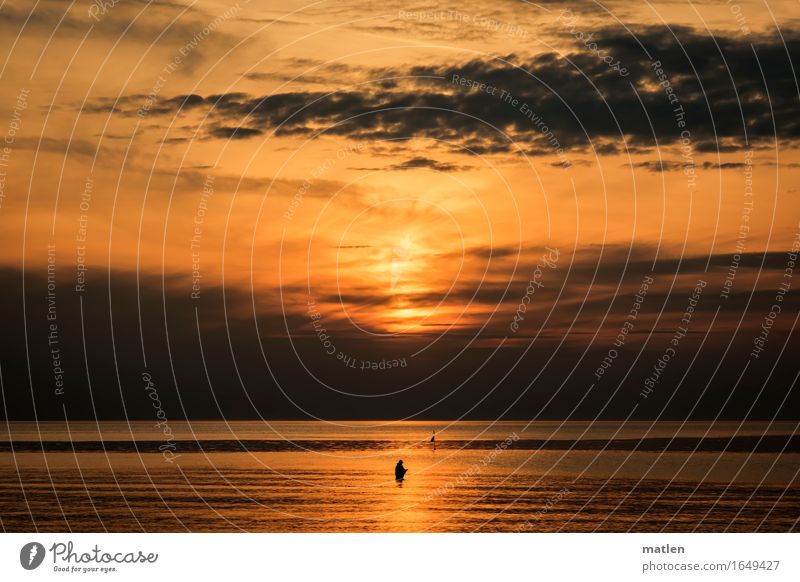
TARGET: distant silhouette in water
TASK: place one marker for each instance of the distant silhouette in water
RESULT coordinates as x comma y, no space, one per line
399,470
433,439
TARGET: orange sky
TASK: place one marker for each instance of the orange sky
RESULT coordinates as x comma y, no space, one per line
398,226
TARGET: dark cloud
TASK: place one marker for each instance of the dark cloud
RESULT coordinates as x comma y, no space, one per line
586,105
418,163
722,165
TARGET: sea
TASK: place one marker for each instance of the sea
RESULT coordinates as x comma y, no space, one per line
474,476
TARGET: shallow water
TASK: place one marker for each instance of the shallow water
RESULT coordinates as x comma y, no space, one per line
477,487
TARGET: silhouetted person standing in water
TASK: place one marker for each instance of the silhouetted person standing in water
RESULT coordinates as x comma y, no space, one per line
433,439
399,470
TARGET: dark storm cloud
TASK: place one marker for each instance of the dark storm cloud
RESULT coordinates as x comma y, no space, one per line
657,165
723,165
235,132
420,162
731,93
571,163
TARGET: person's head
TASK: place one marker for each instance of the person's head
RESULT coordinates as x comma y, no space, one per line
400,462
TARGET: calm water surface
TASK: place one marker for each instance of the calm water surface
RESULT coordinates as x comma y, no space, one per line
307,476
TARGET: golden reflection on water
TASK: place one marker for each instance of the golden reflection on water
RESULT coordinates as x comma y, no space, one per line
353,489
